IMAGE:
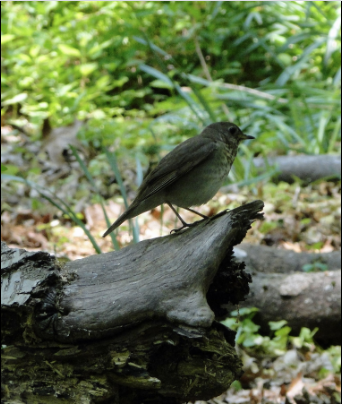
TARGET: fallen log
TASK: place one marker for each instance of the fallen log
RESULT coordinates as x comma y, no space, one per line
266,259
302,299
305,167
129,326
314,302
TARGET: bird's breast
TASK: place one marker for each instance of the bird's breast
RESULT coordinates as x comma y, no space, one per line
200,184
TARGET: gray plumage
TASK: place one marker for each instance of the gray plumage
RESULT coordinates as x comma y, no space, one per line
191,174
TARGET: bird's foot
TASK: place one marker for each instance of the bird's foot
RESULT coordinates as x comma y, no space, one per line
178,230
185,225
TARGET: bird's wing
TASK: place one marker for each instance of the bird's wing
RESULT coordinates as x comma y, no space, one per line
174,165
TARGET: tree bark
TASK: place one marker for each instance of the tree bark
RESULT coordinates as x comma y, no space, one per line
315,299
129,326
265,259
303,299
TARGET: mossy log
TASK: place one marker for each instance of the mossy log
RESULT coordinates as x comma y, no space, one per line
139,325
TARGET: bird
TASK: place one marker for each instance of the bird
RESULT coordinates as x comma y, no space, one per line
190,175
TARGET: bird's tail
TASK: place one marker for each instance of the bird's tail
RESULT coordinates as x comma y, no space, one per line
137,207
126,215
134,210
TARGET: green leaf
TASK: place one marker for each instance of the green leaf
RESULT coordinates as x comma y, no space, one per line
99,47
87,68
7,38
315,267
266,227
291,70
283,332
69,50
157,74
11,169
276,325
306,335
154,47
161,84
16,99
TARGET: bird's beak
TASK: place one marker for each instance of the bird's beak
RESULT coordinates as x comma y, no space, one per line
245,137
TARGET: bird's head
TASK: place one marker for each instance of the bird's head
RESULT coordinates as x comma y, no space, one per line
227,132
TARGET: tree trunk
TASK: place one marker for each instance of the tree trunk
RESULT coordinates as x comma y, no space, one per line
128,327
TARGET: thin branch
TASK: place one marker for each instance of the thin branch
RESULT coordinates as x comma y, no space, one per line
253,91
202,60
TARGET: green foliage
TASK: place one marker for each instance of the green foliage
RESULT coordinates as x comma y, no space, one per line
136,67
335,355
148,75
279,341
315,267
10,169
266,227
277,344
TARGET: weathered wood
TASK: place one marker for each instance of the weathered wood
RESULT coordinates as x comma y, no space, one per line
315,300
303,299
127,326
264,259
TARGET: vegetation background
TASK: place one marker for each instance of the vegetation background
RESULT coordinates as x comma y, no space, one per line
146,76
150,74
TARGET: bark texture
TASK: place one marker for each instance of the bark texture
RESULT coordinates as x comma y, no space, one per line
128,327
303,299
265,259
281,290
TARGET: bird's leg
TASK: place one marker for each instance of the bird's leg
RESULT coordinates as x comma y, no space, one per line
197,213
182,220
179,216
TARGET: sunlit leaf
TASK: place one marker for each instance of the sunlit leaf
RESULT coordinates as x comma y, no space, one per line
69,50
6,38
16,99
87,68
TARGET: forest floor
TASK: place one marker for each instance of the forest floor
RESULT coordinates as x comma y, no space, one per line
297,218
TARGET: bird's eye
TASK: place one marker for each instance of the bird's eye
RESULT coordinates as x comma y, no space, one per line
233,130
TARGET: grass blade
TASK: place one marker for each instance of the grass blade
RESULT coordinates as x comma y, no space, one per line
62,206
92,183
114,166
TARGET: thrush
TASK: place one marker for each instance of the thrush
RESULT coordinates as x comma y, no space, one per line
190,175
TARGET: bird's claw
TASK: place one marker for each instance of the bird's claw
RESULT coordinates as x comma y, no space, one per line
185,225
178,230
